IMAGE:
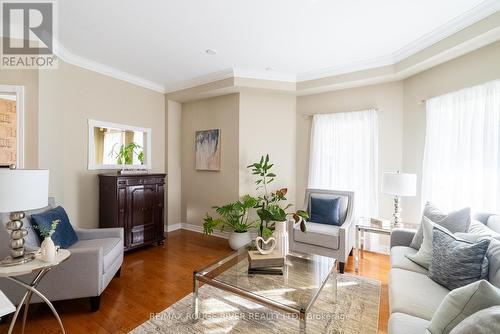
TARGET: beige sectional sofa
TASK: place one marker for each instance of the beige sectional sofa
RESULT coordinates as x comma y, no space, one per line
413,296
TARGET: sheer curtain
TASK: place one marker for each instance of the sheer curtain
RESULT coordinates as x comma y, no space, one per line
462,149
344,156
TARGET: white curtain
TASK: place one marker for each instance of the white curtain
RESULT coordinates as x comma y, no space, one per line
462,149
344,156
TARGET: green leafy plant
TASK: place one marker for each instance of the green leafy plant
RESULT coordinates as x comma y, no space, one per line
47,232
125,153
232,216
271,206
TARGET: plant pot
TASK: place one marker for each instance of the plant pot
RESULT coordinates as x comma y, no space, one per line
238,240
48,250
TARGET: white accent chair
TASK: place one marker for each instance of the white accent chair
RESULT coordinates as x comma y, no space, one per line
327,240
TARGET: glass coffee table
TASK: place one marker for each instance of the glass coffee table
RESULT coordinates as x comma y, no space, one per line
294,292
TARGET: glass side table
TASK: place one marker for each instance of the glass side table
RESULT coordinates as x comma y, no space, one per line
365,225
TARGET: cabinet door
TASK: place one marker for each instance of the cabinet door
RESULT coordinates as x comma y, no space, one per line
141,223
160,228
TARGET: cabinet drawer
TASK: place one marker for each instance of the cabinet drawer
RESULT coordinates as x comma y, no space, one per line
139,181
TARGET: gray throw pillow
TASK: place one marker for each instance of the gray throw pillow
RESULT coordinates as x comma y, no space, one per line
456,262
424,255
486,321
461,303
456,221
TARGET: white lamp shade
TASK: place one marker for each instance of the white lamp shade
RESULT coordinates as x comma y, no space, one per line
399,184
23,189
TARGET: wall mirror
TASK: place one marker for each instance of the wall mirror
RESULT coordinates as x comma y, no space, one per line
12,125
118,146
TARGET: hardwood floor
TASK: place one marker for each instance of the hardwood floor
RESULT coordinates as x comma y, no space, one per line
154,278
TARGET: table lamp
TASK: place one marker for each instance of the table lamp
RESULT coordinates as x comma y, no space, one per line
21,190
399,184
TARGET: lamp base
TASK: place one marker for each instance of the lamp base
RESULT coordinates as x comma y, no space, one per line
11,261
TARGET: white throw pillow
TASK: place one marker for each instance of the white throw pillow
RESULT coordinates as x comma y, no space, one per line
424,254
461,303
484,321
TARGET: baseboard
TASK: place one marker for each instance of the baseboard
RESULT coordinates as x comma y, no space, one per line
173,227
199,229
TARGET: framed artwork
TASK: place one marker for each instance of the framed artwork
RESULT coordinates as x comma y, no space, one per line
11,125
207,150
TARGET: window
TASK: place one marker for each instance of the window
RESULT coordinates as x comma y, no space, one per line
344,156
462,149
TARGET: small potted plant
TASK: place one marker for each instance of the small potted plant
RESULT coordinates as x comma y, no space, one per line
233,216
47,248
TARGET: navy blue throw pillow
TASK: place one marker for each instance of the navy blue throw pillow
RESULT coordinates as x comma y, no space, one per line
65,235
325,210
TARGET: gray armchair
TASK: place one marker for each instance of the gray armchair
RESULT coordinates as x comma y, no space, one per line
327,240
95,259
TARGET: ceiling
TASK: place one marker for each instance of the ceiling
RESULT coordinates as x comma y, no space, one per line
162,43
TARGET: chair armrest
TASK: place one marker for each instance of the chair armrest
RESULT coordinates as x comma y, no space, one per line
99,233
347,236
402,237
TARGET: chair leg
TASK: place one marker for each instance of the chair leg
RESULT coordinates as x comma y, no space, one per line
119,272
95,303
341,267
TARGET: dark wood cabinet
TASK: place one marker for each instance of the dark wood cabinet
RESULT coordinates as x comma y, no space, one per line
134,202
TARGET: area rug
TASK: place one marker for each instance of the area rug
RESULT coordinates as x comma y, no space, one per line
356,311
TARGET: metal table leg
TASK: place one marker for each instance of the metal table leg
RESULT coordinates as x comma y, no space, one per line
302,322
31,288
356,251
196,299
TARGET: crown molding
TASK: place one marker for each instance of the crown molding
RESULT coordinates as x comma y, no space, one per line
200,80
460,22
264,75
94,66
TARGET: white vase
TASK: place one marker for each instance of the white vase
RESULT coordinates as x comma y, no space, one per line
238,240
48,250
281,235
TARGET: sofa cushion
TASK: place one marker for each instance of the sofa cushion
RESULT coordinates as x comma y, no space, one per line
478,228
111,249
456,221
494,223
318,234
484,321
399,259
414,293
461,303
325,210
400,323
455,262
493,254
64,235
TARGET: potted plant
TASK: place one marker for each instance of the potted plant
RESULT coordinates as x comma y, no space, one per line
233,216
271,207
47,248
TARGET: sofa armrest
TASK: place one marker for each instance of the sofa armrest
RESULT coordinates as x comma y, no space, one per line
99,233
402,237
79,276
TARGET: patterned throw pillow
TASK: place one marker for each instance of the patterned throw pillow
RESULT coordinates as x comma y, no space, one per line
456,263
456,221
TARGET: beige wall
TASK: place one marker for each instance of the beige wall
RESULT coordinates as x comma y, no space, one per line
474,68
387,98
69,96
174,161
203,189
267,126
28,79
